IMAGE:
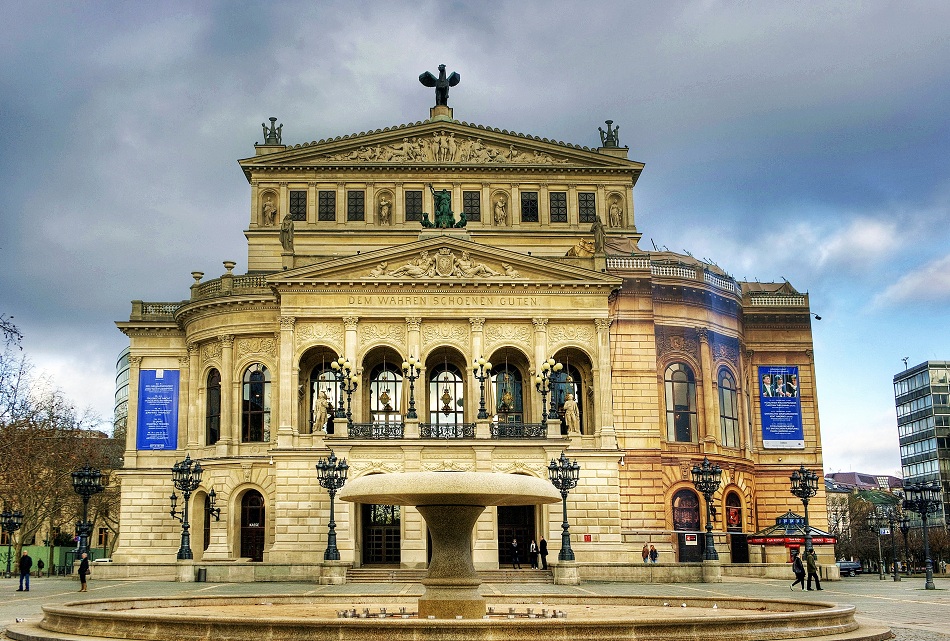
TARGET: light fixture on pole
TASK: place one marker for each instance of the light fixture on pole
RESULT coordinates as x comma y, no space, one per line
706,478
331,474
482,370
875,524
924,499
186,476
892,516
805,486
564,474
87,481
342,369
10,522
411,368
542,382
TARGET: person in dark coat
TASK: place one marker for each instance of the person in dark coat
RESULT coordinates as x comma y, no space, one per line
26,564
533,555
83,572
515,557
798,569
543,551
811,561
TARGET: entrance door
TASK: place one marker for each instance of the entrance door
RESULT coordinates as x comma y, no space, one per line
514,522
690,540
381,536
252,526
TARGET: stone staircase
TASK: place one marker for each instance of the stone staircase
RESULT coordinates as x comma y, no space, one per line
408,575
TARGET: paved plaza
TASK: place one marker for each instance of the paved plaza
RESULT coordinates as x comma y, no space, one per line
913,613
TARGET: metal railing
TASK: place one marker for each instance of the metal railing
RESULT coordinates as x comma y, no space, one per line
376,430
447,430
519,430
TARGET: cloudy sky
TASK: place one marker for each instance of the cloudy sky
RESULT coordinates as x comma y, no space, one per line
798,140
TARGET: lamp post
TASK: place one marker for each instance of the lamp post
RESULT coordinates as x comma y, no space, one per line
563,474
924,499
331,473
893,518
348,383
341,369
87,481
874,524
542,382
186,476
482,370
10,522
411,368
905,530
805,486
706,478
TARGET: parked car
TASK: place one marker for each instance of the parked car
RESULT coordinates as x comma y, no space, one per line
849,568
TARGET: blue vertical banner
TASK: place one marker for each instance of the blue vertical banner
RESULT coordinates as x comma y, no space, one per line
157,425
781,407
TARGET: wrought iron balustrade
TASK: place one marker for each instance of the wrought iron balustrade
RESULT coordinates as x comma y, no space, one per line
447,430
376,430
519,430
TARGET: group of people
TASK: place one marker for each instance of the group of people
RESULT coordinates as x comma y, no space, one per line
798,568
780,387
26,568
537,553
650,553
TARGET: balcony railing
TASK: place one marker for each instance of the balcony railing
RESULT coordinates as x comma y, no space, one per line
447,430
519,430
376,430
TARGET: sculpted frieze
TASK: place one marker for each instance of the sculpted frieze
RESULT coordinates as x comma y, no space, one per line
581,334
442,332
446,465
677,341
442,147
508,334
322,332
519,467
211,350
445,264
373,332
257,346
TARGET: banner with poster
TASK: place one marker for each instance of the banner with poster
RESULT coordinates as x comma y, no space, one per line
157,426
781,407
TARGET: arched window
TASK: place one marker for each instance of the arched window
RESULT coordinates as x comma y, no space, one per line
733,512
385,392
446,395
213,408
509,397
680,403
255,409
569,382
728,409
686,511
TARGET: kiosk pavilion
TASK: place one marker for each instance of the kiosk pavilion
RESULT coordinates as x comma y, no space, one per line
445,243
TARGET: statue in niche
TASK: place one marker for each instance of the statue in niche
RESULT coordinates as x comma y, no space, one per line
467,268
600,239
320,404
615,213
385,210
572,416
441,84
422,266
501,212
269,211
287,233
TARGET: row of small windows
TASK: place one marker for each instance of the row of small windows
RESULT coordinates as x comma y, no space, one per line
471,206
937,376
920,447
681,415
922,403
920,469
920,425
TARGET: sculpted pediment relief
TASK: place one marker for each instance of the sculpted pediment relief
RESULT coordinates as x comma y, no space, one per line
446,264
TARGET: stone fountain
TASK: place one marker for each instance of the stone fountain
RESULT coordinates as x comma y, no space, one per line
450,503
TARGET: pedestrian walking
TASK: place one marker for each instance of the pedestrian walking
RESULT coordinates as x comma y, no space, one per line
26,564
533,555
515,557
83,572
798,569
811,560
543,550
646,552
654,554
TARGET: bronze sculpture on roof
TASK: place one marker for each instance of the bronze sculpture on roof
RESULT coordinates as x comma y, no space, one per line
441,84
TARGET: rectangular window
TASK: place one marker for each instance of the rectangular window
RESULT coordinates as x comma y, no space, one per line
102,537
298,205
413,204
355,205
529,206
558,206
586,206
326,205
472,205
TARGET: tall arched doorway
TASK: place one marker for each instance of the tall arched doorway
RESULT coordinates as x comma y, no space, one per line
686,524
738,544
252,526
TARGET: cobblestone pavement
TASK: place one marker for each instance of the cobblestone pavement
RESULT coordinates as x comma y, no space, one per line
913,613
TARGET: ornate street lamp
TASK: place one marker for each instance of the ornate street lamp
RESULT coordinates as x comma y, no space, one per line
805,486
348,381
411,368
331,473
892,516
874,524
905,530
924,499
87,481
542,382
10,522
563,474
706,478
482,370
186,475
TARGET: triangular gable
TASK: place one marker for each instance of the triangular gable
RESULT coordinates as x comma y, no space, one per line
445,259
438,143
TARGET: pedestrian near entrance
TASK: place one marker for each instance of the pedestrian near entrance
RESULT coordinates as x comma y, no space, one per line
515,557
654,554
83,572
811,560
646,552
26,564
533,555
798,569
543,550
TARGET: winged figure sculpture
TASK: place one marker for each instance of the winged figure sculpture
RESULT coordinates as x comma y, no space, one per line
441,84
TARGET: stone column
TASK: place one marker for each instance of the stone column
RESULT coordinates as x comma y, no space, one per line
457,199
605,433
414,347
514,206
285,374
187,431
313,203
710,404
230,396
540,355
135,365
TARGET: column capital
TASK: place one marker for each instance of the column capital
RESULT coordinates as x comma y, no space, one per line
603,324
477,323
184,361
351,322
413,323
227,340
287,322
135,361
703,334
540,324
193,348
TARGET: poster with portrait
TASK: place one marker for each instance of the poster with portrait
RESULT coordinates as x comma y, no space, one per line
781,407
157,426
